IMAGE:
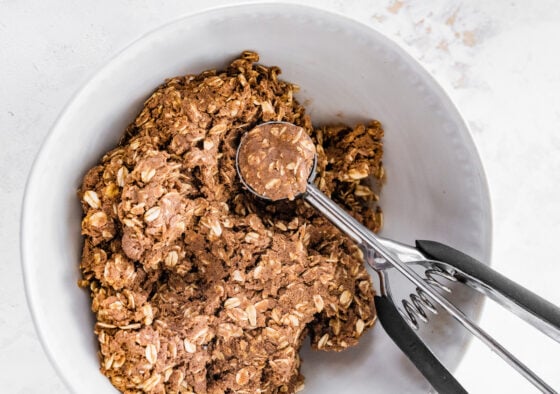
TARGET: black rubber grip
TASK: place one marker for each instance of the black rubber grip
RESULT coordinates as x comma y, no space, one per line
526,299
413,347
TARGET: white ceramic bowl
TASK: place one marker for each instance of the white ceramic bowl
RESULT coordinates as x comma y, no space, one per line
348,72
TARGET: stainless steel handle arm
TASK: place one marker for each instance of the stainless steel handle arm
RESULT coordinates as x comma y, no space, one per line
368,240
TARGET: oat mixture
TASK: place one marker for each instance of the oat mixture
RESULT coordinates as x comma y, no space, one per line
196,285
275,159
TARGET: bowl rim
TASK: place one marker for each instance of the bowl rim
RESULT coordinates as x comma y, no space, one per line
26,219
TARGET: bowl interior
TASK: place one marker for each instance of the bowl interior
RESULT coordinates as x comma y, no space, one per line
347,72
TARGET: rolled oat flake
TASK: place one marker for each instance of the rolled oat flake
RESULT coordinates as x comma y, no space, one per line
275,160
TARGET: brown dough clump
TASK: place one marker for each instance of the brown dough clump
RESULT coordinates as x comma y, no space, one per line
198,286
275,160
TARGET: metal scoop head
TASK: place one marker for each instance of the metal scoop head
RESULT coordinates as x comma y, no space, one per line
255,186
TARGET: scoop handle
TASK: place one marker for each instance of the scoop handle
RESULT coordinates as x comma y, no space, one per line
532,308
413,347
366,239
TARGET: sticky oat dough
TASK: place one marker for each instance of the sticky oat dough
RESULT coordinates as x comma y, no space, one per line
197,286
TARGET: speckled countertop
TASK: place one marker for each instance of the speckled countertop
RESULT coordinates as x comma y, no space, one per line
499,61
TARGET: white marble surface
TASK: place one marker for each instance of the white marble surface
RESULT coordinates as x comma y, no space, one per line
499,61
